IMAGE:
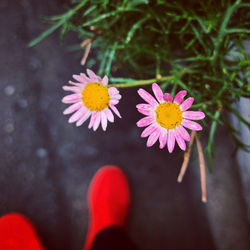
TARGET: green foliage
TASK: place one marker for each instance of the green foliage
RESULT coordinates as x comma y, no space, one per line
199,45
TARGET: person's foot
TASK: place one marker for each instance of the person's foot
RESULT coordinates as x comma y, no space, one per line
17,233
108,200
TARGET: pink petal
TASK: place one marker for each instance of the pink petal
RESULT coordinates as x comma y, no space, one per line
85,78
99,79
144,106
72,108
78,114
180,96
71,98
147,97
163,138
144,111
76,84
105,80
183,133
92,119
78,78
104,120
191,125
113,102
115,111
83,118
109,114
97,121
157,92
145,121
91,73
180,141
73,89
171,140
93,76
148,130
167,97
193,115
187,104
117,96
153,138
113,91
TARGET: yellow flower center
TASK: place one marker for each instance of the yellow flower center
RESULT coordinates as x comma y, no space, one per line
95,96
168,115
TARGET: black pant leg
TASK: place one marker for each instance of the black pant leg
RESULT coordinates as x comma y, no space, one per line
113,238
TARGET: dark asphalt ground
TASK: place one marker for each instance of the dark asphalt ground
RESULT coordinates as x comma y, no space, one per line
46,164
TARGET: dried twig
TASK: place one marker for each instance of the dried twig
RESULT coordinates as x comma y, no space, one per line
202,169
88,43
86,53
186,157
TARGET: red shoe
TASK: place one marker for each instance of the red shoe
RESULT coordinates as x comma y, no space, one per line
108,200
17,233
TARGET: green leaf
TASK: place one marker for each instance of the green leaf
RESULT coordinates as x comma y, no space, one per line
107,15
239,116
64,18
105,3
173,91
213,117
100,18
133,3
53,18
134,28
89,10
237,30
209,148
164,85
103,62
64,30
46,33
200,38
110,59
203,25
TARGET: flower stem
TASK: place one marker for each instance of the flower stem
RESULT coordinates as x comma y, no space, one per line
141,82
148,81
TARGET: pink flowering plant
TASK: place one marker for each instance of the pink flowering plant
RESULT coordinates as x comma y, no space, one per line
91,98
178,47
166,118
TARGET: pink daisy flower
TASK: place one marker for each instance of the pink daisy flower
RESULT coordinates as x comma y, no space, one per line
166,118
91,98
